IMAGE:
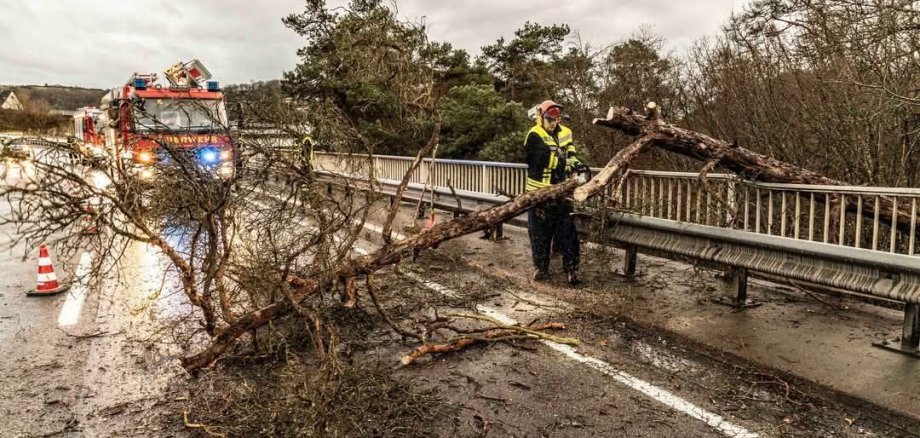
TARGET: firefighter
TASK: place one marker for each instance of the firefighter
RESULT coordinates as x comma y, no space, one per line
551,156
306,150
305,159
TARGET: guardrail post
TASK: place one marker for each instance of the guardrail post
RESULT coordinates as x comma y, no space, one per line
495,233
910,338
739,279
629,263
422,211
909,343
740,283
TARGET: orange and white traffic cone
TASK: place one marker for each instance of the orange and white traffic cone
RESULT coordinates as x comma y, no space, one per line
47,280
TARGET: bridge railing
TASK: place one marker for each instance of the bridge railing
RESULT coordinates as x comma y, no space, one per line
875,218
777,229
859,217
475,176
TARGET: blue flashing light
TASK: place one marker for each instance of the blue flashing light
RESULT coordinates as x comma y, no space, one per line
209,155
140,84
213,86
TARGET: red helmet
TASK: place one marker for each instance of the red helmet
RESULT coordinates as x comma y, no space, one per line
550,108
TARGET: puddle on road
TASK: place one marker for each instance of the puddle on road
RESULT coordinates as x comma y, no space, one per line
157,289
661,358
655,353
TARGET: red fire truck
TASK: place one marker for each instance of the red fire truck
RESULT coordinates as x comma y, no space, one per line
145,124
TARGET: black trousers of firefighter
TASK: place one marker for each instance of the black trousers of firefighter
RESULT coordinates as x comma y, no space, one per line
551,225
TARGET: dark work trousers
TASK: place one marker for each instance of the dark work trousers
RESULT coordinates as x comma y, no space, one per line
553,222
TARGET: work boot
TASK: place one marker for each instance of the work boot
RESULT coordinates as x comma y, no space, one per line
573,278
540,275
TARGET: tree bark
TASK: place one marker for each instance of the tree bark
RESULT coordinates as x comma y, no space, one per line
743,162
613,167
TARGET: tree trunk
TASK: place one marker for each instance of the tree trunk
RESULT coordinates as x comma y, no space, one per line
743,162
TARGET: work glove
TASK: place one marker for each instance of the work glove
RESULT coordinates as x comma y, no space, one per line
570,163
581,172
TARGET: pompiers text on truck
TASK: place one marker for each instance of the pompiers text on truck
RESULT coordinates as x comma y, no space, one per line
145,124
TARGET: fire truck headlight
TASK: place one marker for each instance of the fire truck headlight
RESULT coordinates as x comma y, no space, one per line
146,174
145,157
226,155
209,156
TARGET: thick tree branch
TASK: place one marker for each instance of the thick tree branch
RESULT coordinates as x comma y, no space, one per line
743,162
370,263
616,164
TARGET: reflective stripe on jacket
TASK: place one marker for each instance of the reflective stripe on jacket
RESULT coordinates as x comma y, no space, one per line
307,140
562,142
547,172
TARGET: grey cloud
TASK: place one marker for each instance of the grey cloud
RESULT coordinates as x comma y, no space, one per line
100,42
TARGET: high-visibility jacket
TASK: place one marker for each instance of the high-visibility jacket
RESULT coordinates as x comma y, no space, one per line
308,142
562,153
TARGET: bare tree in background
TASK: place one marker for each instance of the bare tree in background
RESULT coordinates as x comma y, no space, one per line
831,85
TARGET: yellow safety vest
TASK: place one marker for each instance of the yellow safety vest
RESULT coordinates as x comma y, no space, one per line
565,142
309,139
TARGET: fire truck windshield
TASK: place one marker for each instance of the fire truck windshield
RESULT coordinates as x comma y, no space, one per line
181,115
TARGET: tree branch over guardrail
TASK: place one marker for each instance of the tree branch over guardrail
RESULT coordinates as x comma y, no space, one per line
745,163
303,288
388,255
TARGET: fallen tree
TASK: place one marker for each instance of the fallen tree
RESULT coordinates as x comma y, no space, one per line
652,132
232,319
743,162
351,269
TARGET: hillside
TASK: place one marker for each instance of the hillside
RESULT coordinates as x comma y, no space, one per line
55,96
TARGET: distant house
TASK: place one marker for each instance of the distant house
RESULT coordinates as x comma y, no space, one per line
9,101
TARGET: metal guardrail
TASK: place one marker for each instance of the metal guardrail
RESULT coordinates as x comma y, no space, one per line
679,217
891,276
802,212
473,176
798,211
455,201
36,141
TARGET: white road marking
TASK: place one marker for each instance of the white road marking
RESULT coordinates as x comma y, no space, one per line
656,393
73,305
661,395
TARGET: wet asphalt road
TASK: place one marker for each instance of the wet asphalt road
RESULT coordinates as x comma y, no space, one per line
104,372
40,364
85,362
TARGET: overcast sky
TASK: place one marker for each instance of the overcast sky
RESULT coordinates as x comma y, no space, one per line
99,43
